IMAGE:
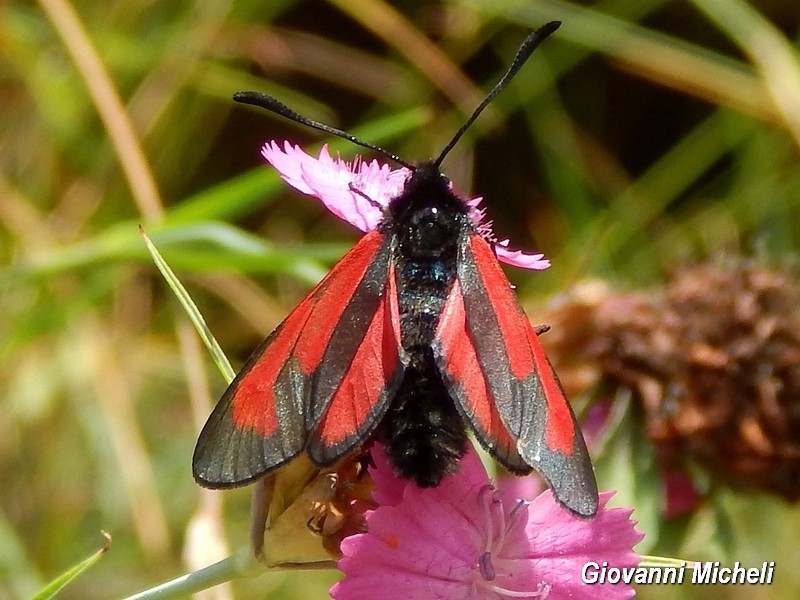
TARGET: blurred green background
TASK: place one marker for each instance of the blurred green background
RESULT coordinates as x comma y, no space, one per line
642,136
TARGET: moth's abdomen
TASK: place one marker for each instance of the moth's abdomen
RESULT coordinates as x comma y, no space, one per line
423,433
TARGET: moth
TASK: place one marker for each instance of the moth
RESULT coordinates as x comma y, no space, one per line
414,338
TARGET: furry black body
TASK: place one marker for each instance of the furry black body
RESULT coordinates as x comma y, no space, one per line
423,432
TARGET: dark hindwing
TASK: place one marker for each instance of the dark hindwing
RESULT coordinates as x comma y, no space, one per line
320,382
496,370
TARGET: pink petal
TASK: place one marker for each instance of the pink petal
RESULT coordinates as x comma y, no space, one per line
388,486
559,545
433,523
518,258
525,488
329,180
399,538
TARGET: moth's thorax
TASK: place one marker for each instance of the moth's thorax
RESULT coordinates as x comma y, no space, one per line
426,221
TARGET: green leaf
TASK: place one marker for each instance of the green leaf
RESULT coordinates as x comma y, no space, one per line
191,310
70,575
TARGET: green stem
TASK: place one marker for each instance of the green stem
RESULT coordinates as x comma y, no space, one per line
236,566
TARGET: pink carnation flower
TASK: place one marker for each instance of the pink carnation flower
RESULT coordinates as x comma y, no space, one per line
466,540
358,191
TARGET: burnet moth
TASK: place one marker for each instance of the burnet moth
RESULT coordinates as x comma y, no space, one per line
413,338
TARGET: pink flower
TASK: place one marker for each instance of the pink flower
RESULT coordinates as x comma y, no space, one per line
358,192
464,539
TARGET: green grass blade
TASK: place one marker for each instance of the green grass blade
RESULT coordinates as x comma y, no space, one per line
191,310
59,583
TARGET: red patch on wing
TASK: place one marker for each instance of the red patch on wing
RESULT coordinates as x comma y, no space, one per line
506,308
373,366
304,334
254,405
462,364
560,426
337,287
525,353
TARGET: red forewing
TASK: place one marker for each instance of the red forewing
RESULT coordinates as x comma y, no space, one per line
497,372
368,385
320,381
466,381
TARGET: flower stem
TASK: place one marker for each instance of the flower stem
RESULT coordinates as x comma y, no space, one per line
239,564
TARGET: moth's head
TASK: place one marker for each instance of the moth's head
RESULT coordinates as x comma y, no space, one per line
427,179
426,186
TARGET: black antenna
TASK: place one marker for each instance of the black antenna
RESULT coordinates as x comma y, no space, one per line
524,52
273,105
